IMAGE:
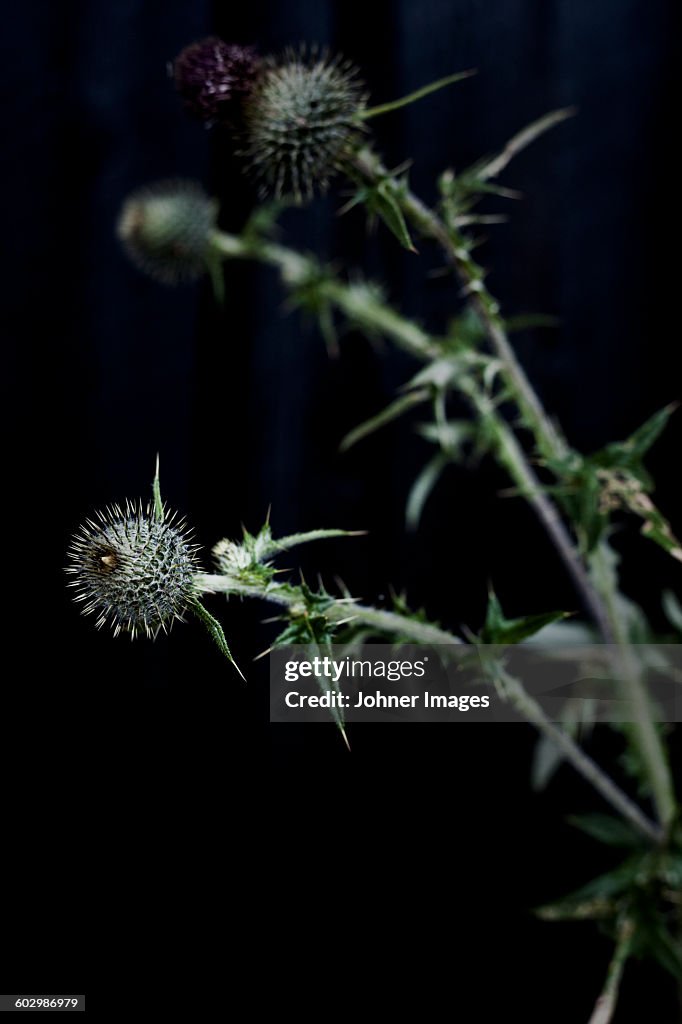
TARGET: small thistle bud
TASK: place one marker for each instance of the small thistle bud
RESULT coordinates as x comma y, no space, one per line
301,122
165,229
133,570
214,78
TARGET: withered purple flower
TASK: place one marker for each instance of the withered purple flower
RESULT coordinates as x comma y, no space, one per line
214,78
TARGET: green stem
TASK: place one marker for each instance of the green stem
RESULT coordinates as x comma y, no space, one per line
372,314
362,308
513,458
552,445
297,270
338,611
605,1007
646,735
457,251
342,611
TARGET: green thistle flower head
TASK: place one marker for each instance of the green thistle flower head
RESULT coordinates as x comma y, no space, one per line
165,229
133,570
301,123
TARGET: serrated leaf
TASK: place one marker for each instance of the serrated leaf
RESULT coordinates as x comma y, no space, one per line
387,415
653,939
418,94
477,187
327,685
655,527
295,539
605,887
519,142
384,204
422,488
215,631
500,630
628,454
605,829
644,437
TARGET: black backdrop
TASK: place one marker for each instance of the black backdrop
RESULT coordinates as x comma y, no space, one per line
136,777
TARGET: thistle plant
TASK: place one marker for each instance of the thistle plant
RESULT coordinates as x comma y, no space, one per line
296,122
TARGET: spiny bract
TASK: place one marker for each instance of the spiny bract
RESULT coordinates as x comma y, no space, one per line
301,122
165,229
132,570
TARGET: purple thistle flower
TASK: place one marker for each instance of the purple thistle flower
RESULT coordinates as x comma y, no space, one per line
214,78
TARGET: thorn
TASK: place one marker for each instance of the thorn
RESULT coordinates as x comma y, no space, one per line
345,738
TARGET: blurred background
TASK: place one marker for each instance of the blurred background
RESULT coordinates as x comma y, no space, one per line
143,783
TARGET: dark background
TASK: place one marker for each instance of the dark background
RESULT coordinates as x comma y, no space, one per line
151,812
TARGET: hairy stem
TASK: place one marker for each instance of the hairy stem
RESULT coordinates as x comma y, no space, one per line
645,733
297,270
582,762
550,442
605,1007
342,611
364,309
375,315
551,445
513,458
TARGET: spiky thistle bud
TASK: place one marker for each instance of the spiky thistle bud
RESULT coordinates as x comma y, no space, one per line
133,570
214,78
165,229
301,123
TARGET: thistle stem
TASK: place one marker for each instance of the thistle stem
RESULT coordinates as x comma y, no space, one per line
550,442
367,311
513,458
297,270
645,733
338,611
551,445
375,315
342,611
605,1007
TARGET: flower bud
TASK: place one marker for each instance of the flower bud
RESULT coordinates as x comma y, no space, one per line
301,122
132,570
165,229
